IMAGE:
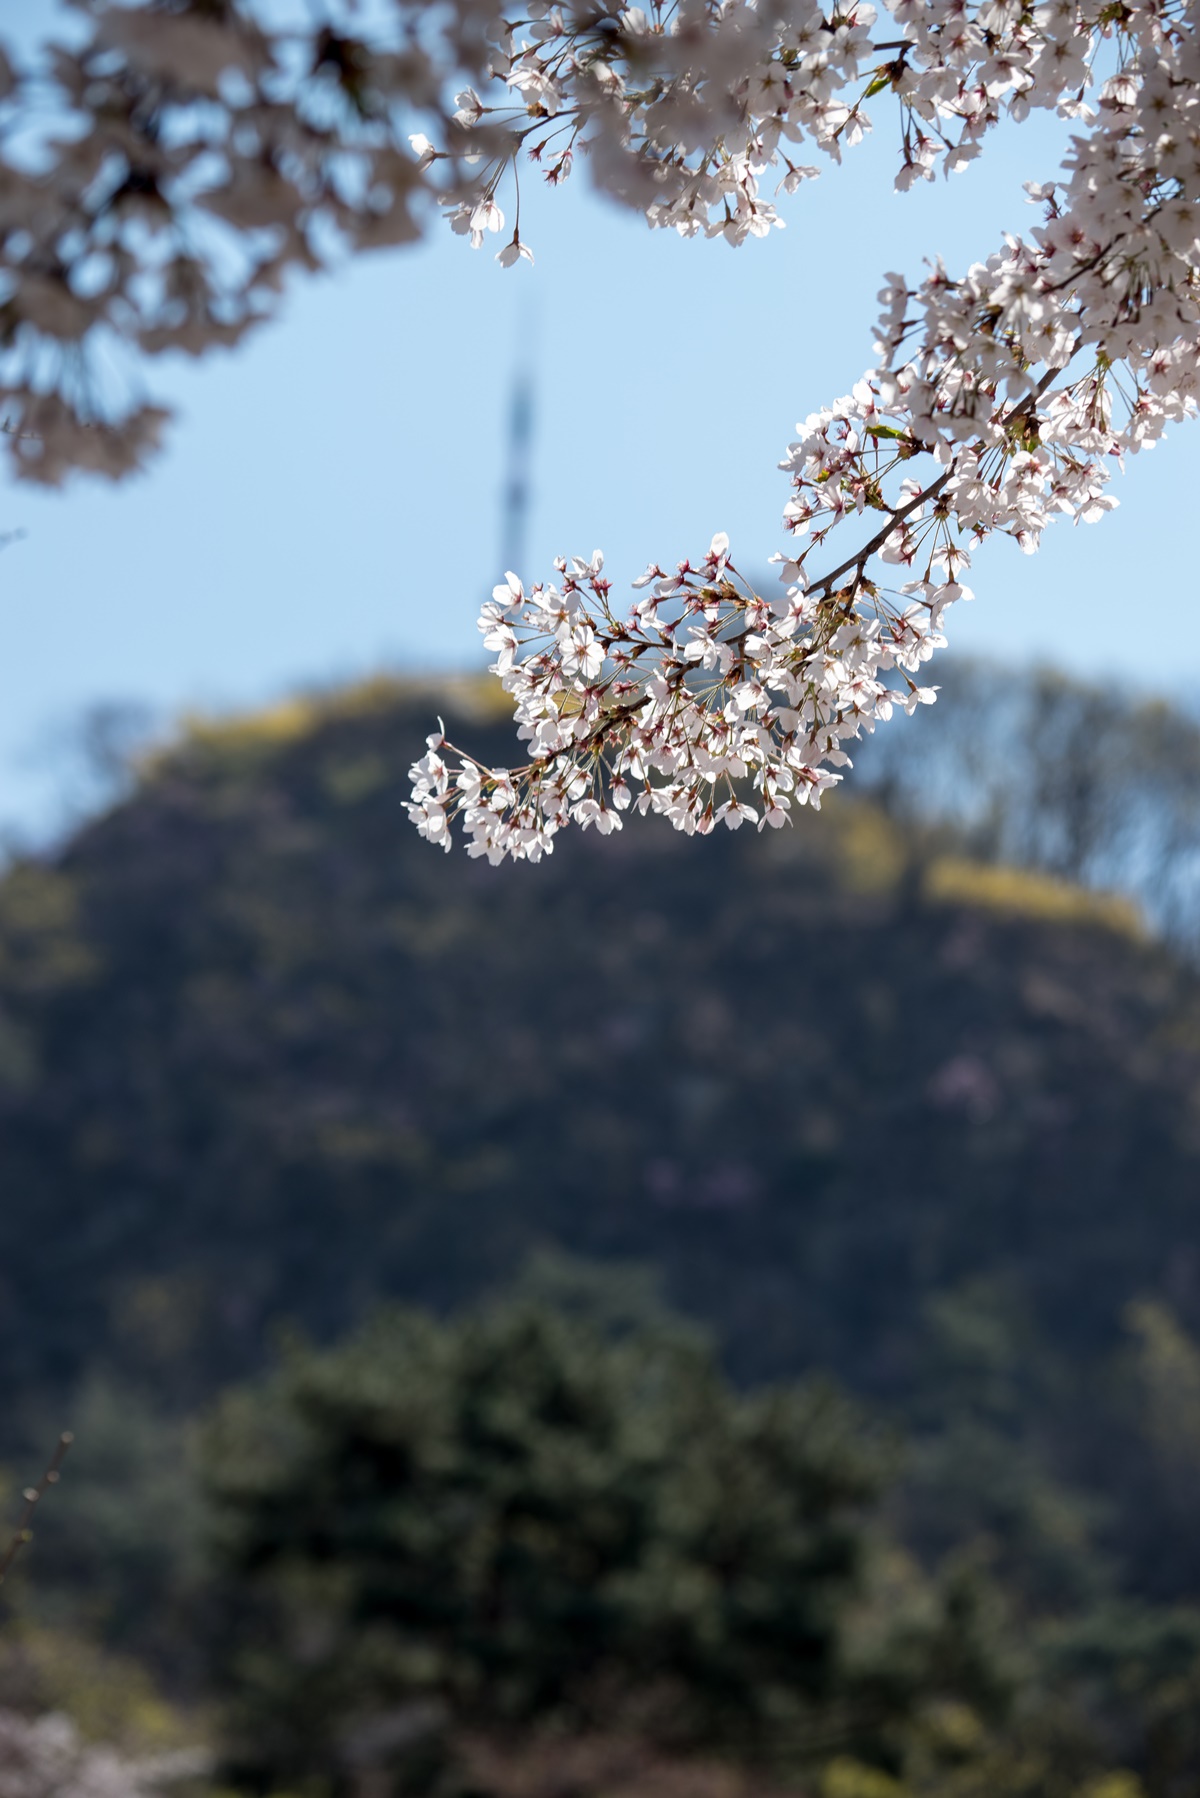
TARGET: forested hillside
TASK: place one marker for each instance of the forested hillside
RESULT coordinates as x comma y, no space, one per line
864,1106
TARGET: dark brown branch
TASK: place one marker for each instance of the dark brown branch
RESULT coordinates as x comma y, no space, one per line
861,557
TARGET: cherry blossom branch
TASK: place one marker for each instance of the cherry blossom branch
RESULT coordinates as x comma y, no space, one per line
707,687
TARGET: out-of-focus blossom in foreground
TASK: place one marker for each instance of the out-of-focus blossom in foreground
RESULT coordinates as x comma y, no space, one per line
44,1757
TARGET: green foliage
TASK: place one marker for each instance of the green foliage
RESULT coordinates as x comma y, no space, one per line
442,1545
527,1520
518,1518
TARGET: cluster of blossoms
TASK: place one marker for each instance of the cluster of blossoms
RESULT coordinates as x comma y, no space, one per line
44,1757
706,704
684,106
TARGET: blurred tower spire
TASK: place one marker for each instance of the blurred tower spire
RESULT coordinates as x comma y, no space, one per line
515,511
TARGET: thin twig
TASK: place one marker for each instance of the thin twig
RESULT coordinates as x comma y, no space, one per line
32,1496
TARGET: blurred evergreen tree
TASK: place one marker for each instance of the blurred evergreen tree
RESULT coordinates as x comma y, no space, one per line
526,1517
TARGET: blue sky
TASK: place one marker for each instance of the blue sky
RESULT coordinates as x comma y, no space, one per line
330,500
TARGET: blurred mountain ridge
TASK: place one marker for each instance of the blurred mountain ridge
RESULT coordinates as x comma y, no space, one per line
866,1101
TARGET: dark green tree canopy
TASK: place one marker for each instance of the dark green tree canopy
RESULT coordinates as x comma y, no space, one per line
522,1516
